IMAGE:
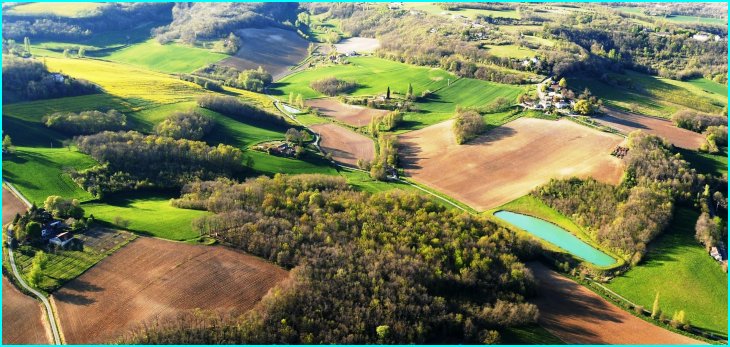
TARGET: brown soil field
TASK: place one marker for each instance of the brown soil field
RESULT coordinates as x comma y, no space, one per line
345,145
357,44
627,122
577,315
11,206
23,318
151,278
354,115
274,49
509,161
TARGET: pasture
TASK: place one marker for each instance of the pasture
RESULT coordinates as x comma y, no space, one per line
651,95
627,122
435,9
507,162
270,164
151,278
23,319
715,164
577,315
147,214
168,58
353,115
274,49
511,51
345,145
676,18
66,265
67,9
40,172
698,285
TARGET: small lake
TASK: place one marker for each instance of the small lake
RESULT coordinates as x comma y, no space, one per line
557,236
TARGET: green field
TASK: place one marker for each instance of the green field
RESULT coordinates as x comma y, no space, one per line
675,19
40,172
435,9
270,165
684,275
169,58
68,9
373,76
653,96
147,214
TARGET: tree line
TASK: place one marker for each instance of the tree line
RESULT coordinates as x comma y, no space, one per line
86,122
332,86
130,160
29,79
235,108
390,267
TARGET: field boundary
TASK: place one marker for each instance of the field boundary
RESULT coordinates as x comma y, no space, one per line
49,311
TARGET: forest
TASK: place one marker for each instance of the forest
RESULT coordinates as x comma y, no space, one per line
188,125
29,79
130,160
367,268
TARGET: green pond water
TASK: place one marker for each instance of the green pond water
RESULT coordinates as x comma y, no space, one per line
557,236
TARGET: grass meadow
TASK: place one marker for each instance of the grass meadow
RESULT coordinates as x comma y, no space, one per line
682,272
169,58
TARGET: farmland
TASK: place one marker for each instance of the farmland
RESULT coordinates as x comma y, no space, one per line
170,58
675,18
578,316
72,10
152,278
23,321
147,214
11,206
345,146
274,49
653,96
353,115
40,172
627,122
435,9
509,161
512,51
698,285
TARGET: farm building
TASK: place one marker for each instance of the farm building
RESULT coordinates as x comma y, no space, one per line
63,240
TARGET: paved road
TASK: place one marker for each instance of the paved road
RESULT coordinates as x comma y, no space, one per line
41,297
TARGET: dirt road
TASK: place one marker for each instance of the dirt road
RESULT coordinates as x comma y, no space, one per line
579,316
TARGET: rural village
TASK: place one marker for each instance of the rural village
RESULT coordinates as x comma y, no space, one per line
365,173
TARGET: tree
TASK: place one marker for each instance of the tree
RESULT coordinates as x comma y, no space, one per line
26,43
655,311
383,332
468,124
82,52
291,98
387,93
294,136
300,101
583,107
563,83
7,143
33,230
409,95
66,53
63,208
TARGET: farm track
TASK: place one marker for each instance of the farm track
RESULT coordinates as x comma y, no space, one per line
16,273
577,315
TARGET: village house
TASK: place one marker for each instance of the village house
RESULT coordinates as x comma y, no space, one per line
63,240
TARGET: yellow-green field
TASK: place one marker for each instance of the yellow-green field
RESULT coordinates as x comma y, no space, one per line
511,51
170,58
66,9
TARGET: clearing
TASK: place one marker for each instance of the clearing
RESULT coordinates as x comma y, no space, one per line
345,145
274,49
23,319
357,44
698,285
152,278
627,122
509,161
579,316
354,115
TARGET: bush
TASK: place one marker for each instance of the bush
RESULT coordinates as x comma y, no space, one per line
63,208
87,122
185,125
332,86
468,124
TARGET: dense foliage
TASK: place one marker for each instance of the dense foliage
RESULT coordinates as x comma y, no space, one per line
332,86
392,267
185,125
625,218
697,121
28,79
233,107
63,208
468,124
130,160
86,122
254,80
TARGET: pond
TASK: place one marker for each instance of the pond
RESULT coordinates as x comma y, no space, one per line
557,236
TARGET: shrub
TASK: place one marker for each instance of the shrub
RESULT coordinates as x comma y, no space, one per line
63,208
332,86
